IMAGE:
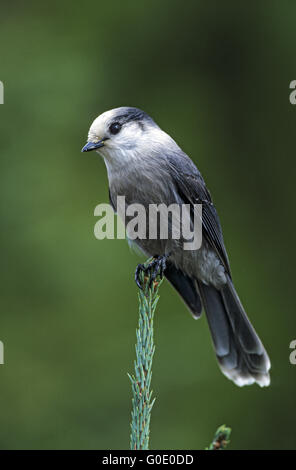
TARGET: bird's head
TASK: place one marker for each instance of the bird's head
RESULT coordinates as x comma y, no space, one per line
125,134
120,131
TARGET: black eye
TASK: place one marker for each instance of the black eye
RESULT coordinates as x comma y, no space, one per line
115,128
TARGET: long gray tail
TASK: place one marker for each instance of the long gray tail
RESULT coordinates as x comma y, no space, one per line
239,351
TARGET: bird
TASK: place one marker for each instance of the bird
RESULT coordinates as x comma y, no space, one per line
147,166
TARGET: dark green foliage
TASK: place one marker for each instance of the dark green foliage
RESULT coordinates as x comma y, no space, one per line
221,438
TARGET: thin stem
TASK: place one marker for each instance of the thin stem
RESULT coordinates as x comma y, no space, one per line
142,401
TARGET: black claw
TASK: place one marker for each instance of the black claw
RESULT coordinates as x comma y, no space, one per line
154,269
139,268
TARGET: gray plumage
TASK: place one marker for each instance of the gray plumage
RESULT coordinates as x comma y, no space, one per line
147,166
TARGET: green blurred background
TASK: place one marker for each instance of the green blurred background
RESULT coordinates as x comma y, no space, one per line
216,77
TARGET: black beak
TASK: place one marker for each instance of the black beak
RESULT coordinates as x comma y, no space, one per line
93,146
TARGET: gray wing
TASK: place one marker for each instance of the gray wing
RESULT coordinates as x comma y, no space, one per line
192,190
186,287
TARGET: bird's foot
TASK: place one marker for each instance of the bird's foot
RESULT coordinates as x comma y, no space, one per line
155,268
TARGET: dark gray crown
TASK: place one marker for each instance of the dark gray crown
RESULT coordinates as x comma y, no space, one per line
128,114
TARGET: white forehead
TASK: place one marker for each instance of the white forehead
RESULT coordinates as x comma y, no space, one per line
100,124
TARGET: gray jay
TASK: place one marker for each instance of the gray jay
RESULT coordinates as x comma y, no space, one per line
148,167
